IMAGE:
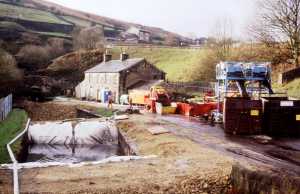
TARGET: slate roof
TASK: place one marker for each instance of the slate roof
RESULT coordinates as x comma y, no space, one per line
114,66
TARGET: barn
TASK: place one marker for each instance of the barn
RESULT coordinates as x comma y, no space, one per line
116,76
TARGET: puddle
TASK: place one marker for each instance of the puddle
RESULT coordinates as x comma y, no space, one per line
283,153
70,154
73,142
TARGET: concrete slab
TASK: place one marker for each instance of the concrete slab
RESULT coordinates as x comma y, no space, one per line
157,130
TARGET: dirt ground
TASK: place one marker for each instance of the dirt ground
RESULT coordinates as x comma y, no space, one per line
194,157
181,166
48,111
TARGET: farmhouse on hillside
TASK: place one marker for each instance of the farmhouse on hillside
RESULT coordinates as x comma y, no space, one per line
116,76
142,35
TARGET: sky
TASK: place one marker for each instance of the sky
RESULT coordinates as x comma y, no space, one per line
186,17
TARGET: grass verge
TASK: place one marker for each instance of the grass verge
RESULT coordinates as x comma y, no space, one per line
292,88
104,112
9,128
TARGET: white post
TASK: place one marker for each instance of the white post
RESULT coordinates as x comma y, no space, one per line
13,159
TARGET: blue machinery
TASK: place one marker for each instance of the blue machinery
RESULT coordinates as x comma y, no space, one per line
248,79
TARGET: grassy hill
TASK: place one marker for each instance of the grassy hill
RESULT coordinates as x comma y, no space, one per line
83,19
23,13
180,64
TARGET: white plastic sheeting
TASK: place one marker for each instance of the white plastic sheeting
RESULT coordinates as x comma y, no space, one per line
95,132
61,153
87,132
55,133
30,165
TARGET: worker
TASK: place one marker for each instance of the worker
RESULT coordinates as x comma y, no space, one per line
130,103
110,102
208,95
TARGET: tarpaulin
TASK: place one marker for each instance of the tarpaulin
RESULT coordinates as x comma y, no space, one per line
88,132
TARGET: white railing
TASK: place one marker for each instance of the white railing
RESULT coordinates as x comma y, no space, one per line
13,159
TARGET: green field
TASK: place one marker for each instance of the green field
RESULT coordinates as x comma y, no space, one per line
23,13
12,26
78,21
54,34
180,64
9,128
292,88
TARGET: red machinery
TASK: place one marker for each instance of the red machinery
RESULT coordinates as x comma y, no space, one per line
194,109
157,94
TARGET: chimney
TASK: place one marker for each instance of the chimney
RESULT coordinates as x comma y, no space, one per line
124,56
107,56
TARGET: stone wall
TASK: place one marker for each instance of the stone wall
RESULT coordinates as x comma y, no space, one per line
93,83
118,83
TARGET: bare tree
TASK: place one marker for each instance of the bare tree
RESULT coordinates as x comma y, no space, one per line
278,22
222,40
56,47
33,56
89,38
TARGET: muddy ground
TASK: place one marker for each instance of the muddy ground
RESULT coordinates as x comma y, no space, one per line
194,157
48,111
181,166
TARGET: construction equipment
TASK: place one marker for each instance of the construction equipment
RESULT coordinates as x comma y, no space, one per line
281,116
238,85
242,79
158,97
242,116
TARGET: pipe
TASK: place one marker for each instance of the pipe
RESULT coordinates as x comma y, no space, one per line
13,159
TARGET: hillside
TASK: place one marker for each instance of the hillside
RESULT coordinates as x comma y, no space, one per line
44,11
180,64
22,13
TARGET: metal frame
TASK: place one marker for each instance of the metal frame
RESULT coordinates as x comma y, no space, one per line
223,80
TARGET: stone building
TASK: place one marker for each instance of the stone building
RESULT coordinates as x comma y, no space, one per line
116,76
142,35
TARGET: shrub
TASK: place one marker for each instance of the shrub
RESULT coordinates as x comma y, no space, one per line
8,68
34,56
89,38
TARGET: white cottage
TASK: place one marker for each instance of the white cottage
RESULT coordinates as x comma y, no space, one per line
116,76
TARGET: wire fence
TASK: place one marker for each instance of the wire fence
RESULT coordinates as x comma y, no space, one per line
202,87
5,106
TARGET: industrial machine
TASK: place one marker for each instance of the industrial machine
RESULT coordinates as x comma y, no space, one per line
242,79
237,79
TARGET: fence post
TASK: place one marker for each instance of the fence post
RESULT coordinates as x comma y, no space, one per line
13,159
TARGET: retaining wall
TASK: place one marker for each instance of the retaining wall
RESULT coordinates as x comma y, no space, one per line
253,181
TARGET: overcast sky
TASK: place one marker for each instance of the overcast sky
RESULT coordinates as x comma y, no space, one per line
181,16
